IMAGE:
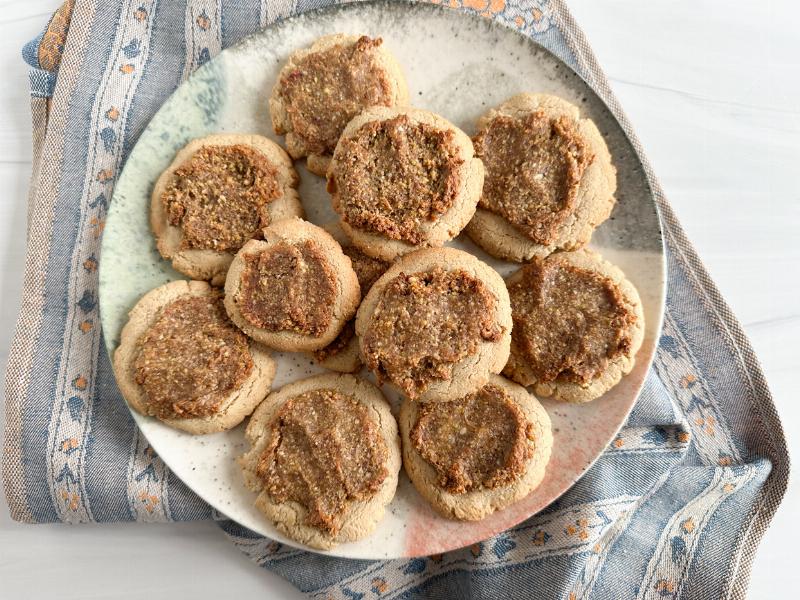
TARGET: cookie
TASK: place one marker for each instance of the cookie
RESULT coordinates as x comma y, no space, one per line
219,192
479,454
169,362
436,325
354,465
403,179
322,87
549,178
342,354
578,324
294,290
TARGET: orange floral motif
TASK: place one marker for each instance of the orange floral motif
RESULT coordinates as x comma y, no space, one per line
570,530
688,525
203,22
728,488
539,538
127,68
684,437
112,114
85,326
597,548
707,423
69,444
71,499
663,586
379,585
475,549
537,14
150,502
90,264
140,14
619,443
80,382
687,380
105,175
98,225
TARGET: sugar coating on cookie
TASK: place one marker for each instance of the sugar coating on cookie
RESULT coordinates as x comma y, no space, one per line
183,361
435,325
324,460
578,324
293,291
219,192
403,179
342,354
549,179
477,454
323,87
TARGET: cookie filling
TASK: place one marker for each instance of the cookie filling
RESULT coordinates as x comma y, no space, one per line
534,165
191,358
396,177
326,89
325,450
368,270
426,322
480,441
568,322
288,287
220,197
338,345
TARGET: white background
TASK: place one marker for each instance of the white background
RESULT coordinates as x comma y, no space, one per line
713,90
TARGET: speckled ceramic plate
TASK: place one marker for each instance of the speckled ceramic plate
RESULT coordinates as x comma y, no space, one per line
456,65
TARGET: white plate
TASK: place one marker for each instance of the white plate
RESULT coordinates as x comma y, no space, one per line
457,65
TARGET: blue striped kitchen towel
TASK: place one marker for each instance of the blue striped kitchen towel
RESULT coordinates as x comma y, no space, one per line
674,509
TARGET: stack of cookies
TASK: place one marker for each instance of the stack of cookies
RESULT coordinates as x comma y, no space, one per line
465,349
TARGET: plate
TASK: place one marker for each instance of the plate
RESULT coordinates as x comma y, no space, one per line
457,65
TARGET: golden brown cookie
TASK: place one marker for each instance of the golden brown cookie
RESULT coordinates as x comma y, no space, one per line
294,290
342,354
549,178
477,454
578,324
322,87
181,360
436,325
219,192
337,492
403,179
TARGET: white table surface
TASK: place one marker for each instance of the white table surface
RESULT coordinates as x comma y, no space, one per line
713,90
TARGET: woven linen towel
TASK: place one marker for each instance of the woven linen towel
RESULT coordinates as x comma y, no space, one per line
674,508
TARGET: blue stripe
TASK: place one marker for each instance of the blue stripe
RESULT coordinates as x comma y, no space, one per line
238,20
106,470
625,568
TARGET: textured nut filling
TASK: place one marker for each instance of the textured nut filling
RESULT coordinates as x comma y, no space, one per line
426,322
288,287
395,177
191,358
325,450
480,441
327,89
534,165
220,197
568,322
368,270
